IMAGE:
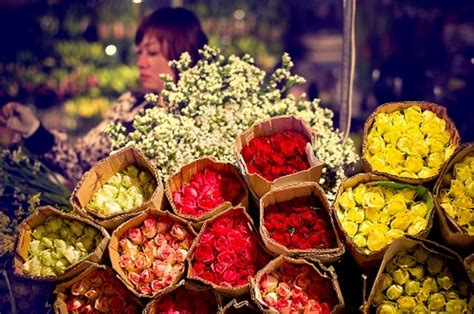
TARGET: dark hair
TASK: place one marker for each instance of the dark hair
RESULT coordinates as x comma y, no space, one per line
176,29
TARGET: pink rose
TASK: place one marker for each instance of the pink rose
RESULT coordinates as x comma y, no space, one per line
226,258
156,285
268,282
135,235
145,288
283,306
302,281
160,240
300,302
147,276
178,231
87,309
159,268
150,249
163,224
296,293
174,243
141,262
134,278
126,262
271,299
149,227
101,304
178,268
93,293
74,304
79,288
167,254
181,255
283,290
313,307
128,247
168,280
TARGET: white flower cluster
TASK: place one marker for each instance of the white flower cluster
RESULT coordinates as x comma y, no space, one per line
214,102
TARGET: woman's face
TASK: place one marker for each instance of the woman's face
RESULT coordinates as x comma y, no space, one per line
151,62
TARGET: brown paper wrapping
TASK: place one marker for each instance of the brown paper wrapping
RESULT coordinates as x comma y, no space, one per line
371,260
276,263
406,243
450,230
394,106
183,177
469,264
118,233
93,180
235,307
259,184
24,238
60,306
229,292
188,285
288,193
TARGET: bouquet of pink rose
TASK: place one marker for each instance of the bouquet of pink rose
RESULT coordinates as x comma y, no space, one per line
151,251
227,253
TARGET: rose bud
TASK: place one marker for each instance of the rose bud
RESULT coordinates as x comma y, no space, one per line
74,304
149,227
302,281
89,308
145,288
108,289
181,255
271,299
135,235
163,224
142,262
79,288
283,290
158,267
160,240
156,285
150,249
147,276
128,247
178,231
95,279
134,278
127,263
167,254
93,293
268,283
116,304
101,305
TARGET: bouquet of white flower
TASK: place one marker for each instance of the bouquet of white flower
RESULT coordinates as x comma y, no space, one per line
216,100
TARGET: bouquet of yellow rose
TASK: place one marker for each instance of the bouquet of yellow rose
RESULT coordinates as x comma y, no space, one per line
454,195
408,141
373,212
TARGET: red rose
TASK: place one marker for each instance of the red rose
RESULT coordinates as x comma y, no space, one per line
275,222
204,253
226,258
289,270
221,243
283,305
230,276
209,276
222,225
296,220
206,237
283,238
198,268
218,268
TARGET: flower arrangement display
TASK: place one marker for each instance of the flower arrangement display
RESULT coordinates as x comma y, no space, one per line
149,251
456,195
52,244
204,188
373,212
214,102
418,280
97,290
295,286
185,298
409,141
124,190
276,155
227,253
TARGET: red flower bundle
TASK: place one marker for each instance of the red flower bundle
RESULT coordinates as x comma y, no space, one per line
153,253
276,155
297,288
299,224
186,301
99,291
228,251
207,190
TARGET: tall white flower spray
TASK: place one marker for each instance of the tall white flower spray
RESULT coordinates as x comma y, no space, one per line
216,100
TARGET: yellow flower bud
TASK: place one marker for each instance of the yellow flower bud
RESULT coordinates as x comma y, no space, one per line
372,214
449,209
374,200
359,193
420,148
435,160
377,162
382,123
365,227
346,200
405,144
463,202
350,228
427,172
457,188
396,204
376,143
393,156
391,137
414,163
418,225
359,240
402,221
393,234
376,242
384,218
413,114
435,144
355,215
462,172
408,194
469,187
420,209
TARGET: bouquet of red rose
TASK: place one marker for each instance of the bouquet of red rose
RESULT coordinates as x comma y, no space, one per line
96,290
277,152
204,188
227,253
186,298
296,286
149,251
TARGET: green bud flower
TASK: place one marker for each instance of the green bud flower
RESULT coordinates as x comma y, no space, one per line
53,224
47,271
76,227
386,308
422,295
418,272
420,308
47,243
35,247
436,302
434,265
378,298
406,303
38,232
451,295
403,260
132,171
401,276
456,306
65,233
46,258
85,243
412,287
390,267
59,245
445,280
52,236
394,292
420,254
385,281
144,177
90,232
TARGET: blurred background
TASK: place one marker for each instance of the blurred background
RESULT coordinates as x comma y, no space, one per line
71,59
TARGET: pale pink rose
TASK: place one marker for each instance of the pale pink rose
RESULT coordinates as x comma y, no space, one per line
268,283
135,235
283,290
142,262
149,227
167,254
147,276
271,299
79,287
178,268
174,243
181,255
178,231
300,302
163,224
144,288
313,307
150,249
128,247
134,278
186,243
158,267
93,293
302,281
156,285
126,262
160,240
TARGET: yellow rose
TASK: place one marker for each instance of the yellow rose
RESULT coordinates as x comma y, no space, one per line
457,188
376,242
382,123
379,229
465,217
377,161
346,200
384,218
389,170
376,144
470,230
374,200
393,234
449,209
405,144
402,221
396,204
408,174
435,144
414,163
463,202
427,172
372,214
359,193
398,120
359,240
462,172
365,227
449,151
393,156
388,193
413,134
421,148
435,160
350,228
391,137
418,225
469,187
469,160
355,215
420,209
408,194
413,114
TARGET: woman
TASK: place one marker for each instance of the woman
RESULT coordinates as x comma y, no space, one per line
161,36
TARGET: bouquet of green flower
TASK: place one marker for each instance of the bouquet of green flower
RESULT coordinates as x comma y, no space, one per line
216,100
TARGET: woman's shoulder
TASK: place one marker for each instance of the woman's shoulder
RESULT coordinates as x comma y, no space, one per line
126,106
